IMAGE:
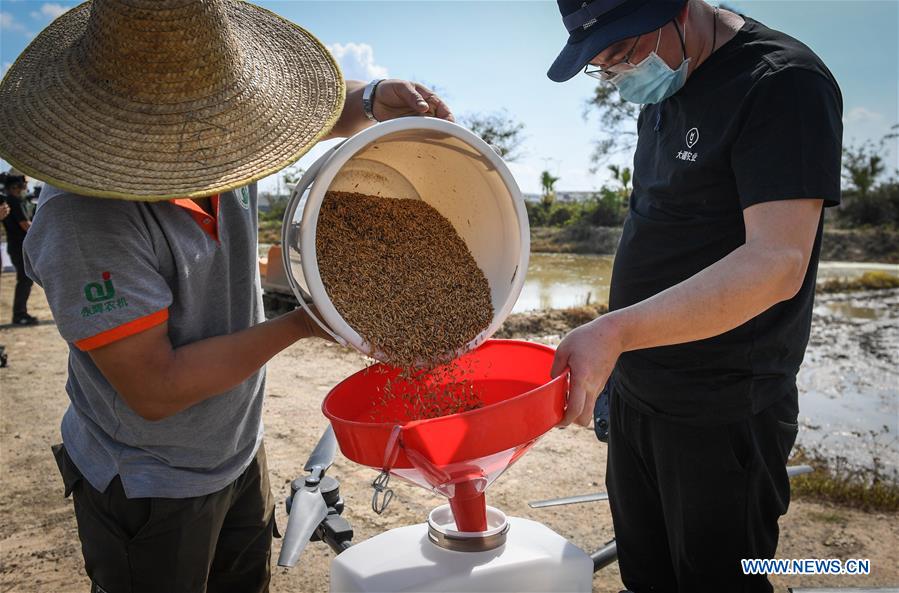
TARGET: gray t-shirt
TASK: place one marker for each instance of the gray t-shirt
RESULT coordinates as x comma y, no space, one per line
113,268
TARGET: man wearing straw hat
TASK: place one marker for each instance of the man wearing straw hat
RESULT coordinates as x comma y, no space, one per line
150,120
738,152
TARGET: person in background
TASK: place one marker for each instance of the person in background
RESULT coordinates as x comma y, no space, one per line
14,188
4,212
738,154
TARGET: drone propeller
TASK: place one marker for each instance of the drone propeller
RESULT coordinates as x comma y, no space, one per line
308,508
793,470
323,455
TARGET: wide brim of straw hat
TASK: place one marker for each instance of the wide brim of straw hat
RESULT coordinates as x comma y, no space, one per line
168,140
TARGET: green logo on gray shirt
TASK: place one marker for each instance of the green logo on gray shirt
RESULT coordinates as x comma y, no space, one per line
102,297
245,198
96,292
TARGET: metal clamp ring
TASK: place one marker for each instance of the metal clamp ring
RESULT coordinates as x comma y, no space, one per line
382,494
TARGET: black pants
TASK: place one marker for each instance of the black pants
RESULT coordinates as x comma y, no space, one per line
688,503
217,543
23,282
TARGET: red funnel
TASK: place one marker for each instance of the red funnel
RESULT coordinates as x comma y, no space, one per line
457,455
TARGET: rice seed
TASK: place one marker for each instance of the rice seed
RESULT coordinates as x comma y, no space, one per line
401,276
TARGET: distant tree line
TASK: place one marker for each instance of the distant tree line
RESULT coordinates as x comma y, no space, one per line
870,195
870,191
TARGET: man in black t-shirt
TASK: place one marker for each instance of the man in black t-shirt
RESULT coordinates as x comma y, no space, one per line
738,152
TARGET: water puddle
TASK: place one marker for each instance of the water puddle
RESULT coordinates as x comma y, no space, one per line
849,381
851,311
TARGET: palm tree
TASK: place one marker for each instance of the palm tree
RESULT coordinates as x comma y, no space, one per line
863,164
547,183
862,169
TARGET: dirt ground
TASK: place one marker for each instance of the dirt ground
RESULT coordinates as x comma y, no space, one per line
39,548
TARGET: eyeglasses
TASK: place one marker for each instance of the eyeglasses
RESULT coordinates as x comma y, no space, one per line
616,68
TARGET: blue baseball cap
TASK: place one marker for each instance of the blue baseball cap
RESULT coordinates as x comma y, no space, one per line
594,25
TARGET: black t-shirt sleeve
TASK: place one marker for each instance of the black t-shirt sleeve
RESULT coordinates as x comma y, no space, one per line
790,142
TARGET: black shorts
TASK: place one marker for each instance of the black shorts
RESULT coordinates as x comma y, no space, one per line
220,542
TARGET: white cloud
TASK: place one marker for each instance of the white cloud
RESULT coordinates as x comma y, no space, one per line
8,23
6,66
859,115
49,9
357,61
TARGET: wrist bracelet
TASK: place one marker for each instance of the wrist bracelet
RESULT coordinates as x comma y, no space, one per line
368,99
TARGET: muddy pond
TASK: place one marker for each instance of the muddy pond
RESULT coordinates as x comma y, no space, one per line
558,281
849,381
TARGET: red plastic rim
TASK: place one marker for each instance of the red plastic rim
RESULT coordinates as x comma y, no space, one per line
521,402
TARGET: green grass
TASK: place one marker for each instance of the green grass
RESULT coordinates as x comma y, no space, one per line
836,481
867,281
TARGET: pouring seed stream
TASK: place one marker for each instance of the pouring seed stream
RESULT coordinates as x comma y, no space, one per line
402,277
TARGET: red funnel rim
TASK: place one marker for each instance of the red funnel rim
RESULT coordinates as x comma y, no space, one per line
470,413
522,402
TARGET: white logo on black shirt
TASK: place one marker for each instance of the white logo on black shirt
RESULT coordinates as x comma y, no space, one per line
692,137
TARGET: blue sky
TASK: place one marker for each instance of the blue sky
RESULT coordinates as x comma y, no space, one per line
489,55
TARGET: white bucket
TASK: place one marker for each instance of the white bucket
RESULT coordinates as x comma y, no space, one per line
428,159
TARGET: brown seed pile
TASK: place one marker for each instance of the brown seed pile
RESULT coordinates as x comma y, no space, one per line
401,276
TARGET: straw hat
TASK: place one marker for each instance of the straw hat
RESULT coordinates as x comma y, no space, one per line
158,99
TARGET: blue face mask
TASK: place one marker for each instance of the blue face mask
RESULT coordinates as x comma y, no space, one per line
652,80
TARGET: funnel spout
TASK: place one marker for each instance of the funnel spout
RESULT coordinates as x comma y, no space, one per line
469,507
